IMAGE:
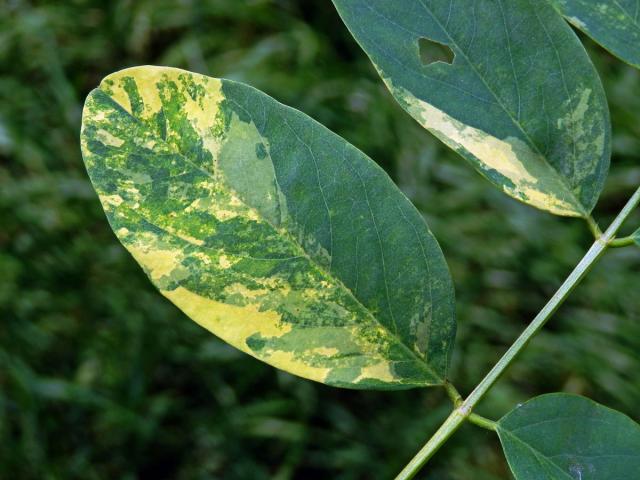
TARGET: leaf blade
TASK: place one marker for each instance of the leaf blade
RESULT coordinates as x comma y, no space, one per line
614,25
541,136
269,230
564,437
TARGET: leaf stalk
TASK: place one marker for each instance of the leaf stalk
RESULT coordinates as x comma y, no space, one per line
593,227
482,422
621,242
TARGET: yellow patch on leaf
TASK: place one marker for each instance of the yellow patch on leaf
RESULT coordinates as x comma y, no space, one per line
108,139
379,371
504,156
288,362
158,262
533,179
324,351
233,323
202,112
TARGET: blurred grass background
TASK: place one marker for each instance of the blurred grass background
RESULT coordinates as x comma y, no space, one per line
102,378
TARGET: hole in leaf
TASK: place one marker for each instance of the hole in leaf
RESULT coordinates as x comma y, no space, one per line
432,51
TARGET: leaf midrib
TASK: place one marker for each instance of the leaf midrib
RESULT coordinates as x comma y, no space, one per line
426,366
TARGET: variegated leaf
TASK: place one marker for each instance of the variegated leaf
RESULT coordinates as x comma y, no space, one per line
614,24
269,230
521,100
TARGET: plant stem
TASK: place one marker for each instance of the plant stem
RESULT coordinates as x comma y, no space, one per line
482,422
621,242
593,226
454,395
463,410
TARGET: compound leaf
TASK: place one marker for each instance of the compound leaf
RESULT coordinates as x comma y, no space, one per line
269,230
613,24
521,100
568,437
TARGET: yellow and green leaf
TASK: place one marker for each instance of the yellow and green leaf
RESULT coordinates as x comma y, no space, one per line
520,99
269,230
614,24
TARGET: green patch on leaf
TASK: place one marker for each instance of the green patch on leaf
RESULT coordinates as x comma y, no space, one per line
568,437
269,230
519,97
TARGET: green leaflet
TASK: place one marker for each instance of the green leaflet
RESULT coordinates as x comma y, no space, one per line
636,237
568,437
614,24
269,230
521,100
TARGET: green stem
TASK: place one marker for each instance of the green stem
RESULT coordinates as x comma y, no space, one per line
593,226
621,242
454,395
482,422
463,411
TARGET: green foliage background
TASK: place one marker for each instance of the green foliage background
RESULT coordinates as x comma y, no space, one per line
100,377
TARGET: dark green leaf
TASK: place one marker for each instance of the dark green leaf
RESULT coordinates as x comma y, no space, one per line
613,24
521,100
269,230
568,437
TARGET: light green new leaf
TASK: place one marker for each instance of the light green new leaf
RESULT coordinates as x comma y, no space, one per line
269,230
614,24
568,437
521,100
